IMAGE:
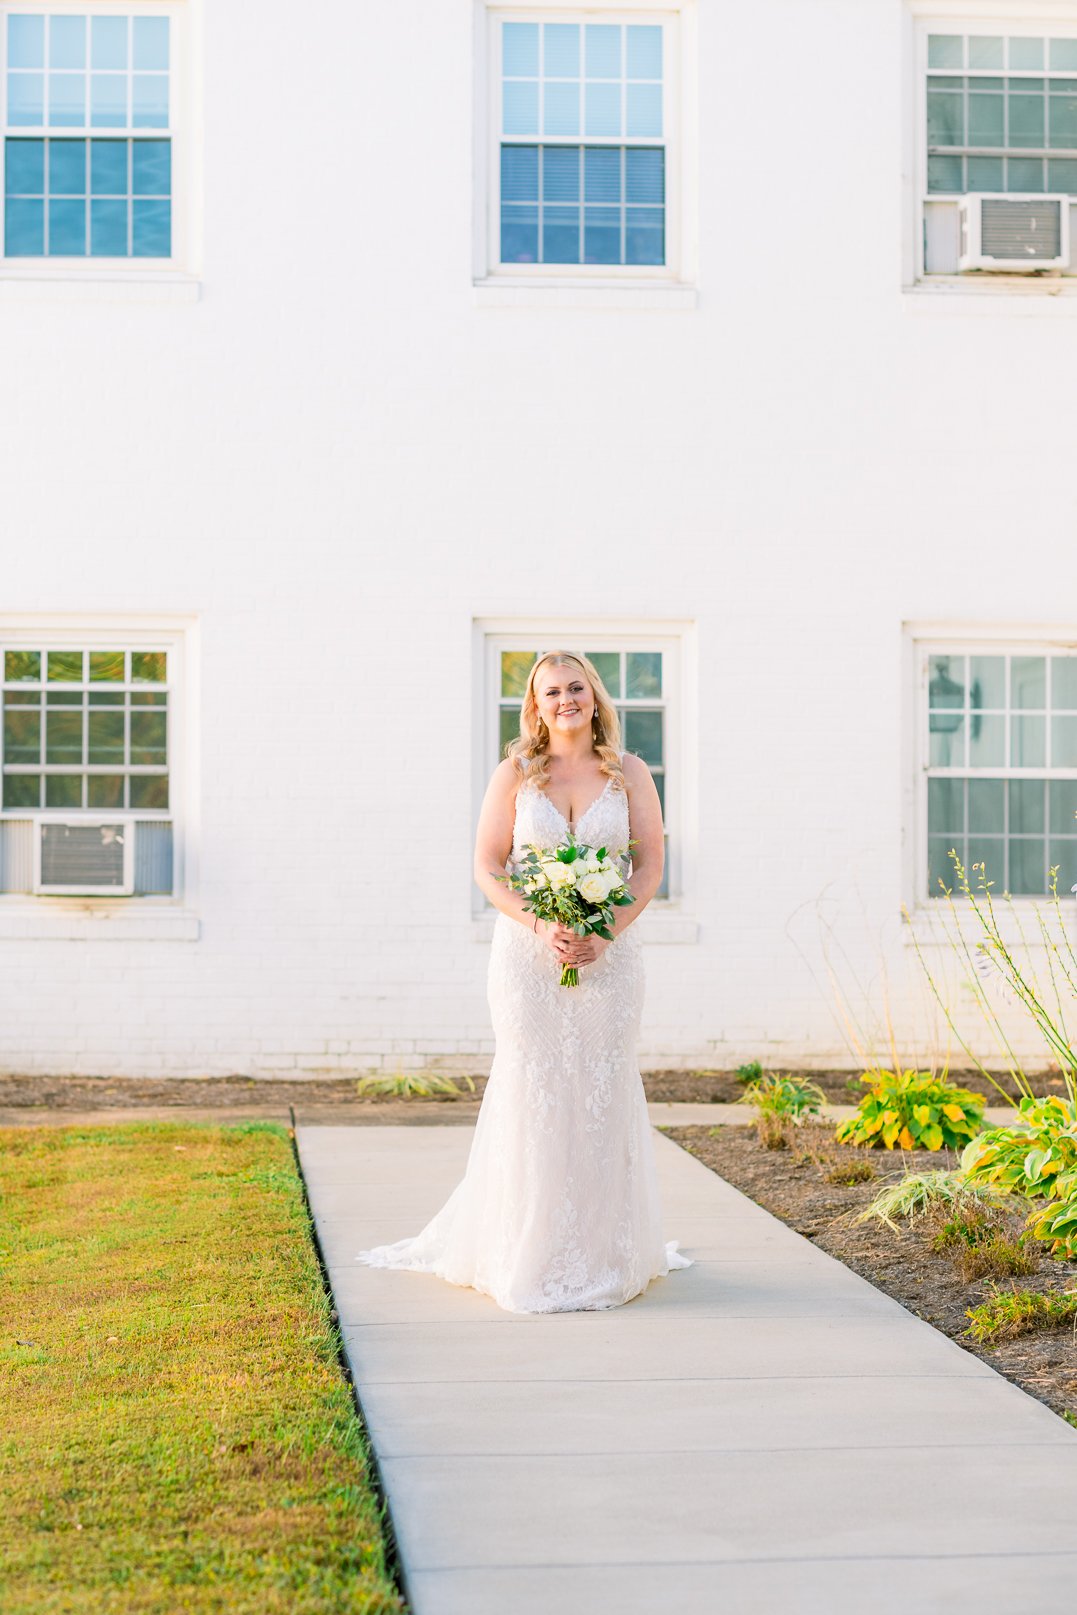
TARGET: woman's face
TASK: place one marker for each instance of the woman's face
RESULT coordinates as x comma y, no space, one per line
564,698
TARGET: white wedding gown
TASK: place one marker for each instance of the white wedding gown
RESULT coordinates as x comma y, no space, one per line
559,1208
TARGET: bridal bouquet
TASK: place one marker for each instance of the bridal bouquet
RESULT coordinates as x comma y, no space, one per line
574,885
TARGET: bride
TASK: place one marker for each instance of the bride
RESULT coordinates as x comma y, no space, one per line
559,1209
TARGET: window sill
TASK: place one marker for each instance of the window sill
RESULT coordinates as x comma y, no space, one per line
66,919
659,925
503,292
42,284
973,294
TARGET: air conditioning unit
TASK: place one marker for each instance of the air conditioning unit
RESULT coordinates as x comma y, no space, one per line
1016,234
84,857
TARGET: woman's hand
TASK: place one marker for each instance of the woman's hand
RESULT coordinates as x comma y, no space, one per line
588,950
560,940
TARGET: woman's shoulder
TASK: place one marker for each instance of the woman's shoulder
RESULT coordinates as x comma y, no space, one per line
633,769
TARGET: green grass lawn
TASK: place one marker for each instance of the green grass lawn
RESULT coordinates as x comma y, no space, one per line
176,1433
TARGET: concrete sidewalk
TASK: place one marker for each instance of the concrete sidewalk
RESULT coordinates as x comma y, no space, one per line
761,1432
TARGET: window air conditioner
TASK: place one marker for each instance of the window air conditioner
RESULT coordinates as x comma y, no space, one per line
84,857
1017,234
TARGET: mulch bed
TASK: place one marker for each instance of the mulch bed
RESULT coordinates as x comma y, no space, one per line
790,1185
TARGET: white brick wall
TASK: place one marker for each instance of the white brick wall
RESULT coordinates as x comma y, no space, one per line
336,461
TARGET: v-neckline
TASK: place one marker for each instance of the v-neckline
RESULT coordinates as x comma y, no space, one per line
574,829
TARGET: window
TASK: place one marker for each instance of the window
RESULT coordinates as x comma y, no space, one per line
999,117
583,159
86,742
1001,765
639,675
88,135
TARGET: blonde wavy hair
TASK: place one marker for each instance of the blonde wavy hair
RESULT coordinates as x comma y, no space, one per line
530,753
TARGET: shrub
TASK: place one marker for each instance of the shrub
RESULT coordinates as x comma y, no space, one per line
414,1085
782,1102
915,1193
752,1072
980,1245
1010,1313
914,1110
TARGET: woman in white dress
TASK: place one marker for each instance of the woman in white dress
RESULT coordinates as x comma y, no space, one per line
559,1209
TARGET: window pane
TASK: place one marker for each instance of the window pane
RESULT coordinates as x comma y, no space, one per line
151,42
108,228
1026,53
22,664
149,101
985,50
986,174
989,851
561,235
519,173
643,735
64,698
945,118
1028,742
643,115
1062,174
1064,683
645,236
602,236
25,41
509,728
602,174
104,791
67,100
149,790
108,100
148,733
603,59
561,174
63,736
560,110
67,167
519,234
149,667
108,167
151,229
151,167
644,673
1028,867
24,229
22,735
1028,802
65,665
987,119
1028,682
105,738
945,50
67,42
946,807
603,109
1063,856
1062,55
22,790
987,741
63,790
26,99
947,745
986,806
945,175
1064,742
607,665
24,168
108,42
1027,120
644,46
561,50
1062,806
1024,174
1063,120
988,675
515,667
940,865
67,229
645,175
520,49
520,108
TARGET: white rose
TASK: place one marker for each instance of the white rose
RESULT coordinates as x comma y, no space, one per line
559,874
613,878
588,864
593,887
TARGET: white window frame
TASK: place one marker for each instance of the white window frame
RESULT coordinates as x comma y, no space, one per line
924,17
112,917
672,918
633,281
957,639
176,272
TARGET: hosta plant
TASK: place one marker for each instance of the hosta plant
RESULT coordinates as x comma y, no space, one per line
1031,1157
913,1111
1056,1222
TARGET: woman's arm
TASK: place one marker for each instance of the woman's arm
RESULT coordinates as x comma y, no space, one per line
493,844
648,853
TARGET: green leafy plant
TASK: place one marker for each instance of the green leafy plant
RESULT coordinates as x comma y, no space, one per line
1010,1313
414,1085
916,1193
1033,1156
752,1072
1056,1222
913,1110
782,1102
981,1245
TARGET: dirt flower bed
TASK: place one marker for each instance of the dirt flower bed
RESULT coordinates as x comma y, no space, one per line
791,1185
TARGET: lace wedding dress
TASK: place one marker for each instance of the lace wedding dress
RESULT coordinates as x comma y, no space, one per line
559,1208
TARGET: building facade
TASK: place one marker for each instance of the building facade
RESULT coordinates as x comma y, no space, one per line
356,356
